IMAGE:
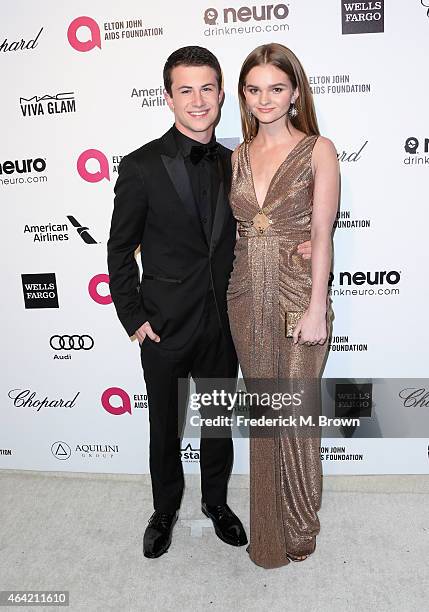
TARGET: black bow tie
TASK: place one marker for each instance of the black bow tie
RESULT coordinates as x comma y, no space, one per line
198,152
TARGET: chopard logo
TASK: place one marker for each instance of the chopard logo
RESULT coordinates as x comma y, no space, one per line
24,398
20,45
414,398
69,343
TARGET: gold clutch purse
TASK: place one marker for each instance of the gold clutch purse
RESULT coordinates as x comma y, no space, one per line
292,319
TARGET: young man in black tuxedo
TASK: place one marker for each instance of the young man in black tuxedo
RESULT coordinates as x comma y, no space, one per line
171,199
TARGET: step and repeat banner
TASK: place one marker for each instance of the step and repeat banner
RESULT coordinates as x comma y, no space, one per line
82,87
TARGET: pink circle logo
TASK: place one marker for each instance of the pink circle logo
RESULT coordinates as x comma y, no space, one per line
125,405
99,175
93,287
87,45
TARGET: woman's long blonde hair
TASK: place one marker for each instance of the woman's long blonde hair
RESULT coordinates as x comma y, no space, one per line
283,58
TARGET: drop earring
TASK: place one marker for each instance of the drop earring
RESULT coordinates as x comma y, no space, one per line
293,111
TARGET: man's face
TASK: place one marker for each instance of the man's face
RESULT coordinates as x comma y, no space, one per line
195,98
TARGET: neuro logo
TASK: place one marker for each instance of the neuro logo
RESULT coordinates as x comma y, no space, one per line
61,450
99,175
370,278
411,145
125,402
266,12
81,230
210,16
415,157
89,44
93,289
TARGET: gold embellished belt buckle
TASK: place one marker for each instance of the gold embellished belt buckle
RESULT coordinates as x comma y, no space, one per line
260,222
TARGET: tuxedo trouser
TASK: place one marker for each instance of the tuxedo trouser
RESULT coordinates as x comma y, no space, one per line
206,356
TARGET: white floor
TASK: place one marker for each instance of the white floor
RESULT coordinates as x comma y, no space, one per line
83,533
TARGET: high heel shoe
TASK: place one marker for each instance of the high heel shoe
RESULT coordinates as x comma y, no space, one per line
295,559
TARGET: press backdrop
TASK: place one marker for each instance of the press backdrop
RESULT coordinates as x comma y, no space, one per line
81,87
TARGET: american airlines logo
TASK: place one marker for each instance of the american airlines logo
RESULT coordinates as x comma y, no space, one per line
48,104
82,230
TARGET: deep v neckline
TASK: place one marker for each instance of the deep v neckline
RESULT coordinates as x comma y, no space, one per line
274,175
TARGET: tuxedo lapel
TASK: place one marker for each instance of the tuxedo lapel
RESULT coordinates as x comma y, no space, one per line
222,204
176,169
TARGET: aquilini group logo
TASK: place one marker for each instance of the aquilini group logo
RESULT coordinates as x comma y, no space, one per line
116,401
93,450
228,21
47,104
369,283
416,150
101,297
123,29
20,45
61,451
40,290
22,171
362,17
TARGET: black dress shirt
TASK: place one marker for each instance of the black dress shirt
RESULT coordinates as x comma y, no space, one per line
205,180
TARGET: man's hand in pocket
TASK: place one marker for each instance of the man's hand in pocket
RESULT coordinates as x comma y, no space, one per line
146,330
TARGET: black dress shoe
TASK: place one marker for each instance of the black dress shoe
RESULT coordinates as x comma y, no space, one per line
157,537
228,526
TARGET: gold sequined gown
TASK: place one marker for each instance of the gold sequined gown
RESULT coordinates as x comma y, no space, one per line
270,278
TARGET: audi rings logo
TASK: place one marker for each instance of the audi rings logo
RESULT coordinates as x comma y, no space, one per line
71,343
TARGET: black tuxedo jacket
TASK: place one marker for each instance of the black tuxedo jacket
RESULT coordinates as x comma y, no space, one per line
155,210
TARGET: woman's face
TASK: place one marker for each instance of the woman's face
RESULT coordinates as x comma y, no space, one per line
269,93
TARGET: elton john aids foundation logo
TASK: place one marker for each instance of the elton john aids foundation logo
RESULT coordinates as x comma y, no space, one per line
102,170
94,289
90,43
117,401
124,401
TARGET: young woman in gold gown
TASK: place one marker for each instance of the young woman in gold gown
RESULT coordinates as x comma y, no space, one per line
284,192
